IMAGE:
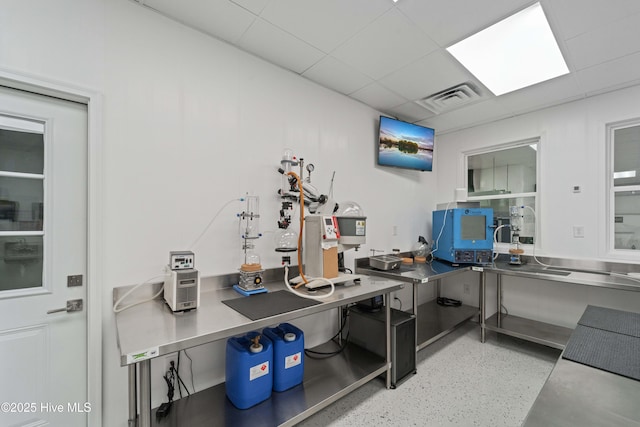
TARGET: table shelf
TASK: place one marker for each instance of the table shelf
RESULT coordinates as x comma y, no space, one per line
325,381
436,321
531,330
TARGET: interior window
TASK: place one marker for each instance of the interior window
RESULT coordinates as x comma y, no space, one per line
505,178
624,143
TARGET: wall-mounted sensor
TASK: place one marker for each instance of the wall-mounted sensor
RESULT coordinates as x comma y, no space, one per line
576,189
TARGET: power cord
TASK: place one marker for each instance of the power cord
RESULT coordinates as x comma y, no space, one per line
176,375
165,407
448,302
193,387
313,354
171,377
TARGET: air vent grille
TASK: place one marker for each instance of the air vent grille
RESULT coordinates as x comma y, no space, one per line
450,99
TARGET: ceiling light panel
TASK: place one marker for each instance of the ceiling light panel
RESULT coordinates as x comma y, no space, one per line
517,52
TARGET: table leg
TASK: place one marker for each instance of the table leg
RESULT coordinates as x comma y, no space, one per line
145,393
415,312
133,396
388,328
499,299
482,303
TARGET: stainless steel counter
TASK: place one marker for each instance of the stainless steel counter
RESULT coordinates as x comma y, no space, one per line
152,330
412,273
570,271
606,275
610,275
432,320
152,325
577,395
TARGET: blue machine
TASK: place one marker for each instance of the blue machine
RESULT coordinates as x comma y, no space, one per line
463,235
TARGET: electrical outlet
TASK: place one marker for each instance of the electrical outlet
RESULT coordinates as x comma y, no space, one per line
394,230
466,288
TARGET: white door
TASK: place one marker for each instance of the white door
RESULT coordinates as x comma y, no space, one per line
43,258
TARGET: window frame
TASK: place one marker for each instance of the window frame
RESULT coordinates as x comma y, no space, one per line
612,190
504,247
39,126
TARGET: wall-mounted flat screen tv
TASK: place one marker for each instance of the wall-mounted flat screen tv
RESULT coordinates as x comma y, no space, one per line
405,145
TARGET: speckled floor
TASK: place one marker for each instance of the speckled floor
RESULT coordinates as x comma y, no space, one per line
460,382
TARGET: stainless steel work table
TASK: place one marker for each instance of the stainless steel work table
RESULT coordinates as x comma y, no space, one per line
578,395
151,330
432,320
577,272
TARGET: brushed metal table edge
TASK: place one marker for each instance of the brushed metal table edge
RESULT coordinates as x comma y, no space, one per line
248,324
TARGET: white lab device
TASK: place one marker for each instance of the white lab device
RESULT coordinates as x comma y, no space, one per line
182,289
182,283
321,246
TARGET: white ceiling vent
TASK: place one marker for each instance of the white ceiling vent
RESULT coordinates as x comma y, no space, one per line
450,99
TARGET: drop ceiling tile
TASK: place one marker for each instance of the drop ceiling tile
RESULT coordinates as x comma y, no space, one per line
271,43
432,73
472,115
378,97
254,6
613,40
551,92
324,24
331,73
221,19
410,112
384,46
575,17
610,75
449,21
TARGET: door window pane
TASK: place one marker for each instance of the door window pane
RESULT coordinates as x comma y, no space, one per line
627,220
20,262
21,204
21,152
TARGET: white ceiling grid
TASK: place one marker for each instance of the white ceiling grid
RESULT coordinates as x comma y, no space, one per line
389,55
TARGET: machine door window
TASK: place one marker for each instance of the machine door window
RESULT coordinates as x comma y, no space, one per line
505,178
21,203
624,141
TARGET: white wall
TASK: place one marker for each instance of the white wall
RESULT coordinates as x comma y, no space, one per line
189,124
572,152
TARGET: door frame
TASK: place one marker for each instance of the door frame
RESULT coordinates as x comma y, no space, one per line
93,100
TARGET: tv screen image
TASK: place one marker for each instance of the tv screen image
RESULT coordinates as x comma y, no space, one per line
405,145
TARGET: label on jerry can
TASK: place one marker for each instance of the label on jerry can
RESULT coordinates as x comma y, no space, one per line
293,360
258,371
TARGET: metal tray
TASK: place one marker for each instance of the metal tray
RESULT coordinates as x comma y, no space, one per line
385,262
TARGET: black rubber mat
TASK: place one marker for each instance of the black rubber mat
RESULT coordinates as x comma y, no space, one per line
609,351
270,304
621,322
